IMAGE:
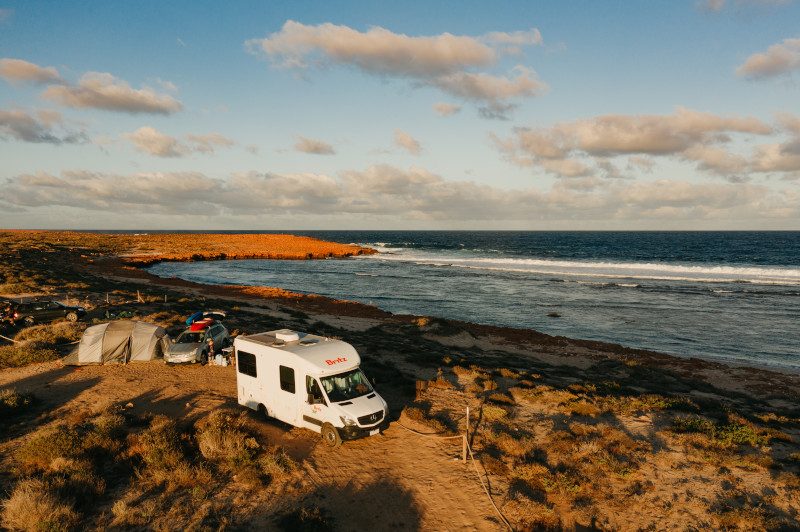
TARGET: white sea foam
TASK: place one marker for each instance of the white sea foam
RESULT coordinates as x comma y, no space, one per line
607,270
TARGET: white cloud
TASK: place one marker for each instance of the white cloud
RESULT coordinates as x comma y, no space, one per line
452,63
153,142
377,51
789,122
383,192
20,71
407,142
446,109
103,91
209,143
313,146
717,160
686,133
44,126
640,162
488,88
149,140
778,59
517,38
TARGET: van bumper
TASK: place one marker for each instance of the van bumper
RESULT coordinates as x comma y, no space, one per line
353,432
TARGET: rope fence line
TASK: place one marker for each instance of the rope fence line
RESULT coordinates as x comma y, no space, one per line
466,451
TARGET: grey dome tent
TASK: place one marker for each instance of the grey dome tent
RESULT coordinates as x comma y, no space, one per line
119,342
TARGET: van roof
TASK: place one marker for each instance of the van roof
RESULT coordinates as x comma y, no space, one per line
325,355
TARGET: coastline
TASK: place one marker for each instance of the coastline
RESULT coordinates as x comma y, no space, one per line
124,257
557,420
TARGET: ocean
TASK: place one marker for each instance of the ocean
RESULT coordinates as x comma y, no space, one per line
725,296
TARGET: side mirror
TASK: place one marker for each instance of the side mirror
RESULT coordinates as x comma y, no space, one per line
310,399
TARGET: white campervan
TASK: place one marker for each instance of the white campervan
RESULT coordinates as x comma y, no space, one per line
308,381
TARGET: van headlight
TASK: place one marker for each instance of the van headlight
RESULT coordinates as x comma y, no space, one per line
347,421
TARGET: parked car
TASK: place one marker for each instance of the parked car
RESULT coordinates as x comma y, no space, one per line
195,343
44,311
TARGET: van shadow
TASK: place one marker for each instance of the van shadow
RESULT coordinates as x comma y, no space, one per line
378,505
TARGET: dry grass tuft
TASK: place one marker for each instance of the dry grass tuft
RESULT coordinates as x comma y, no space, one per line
50,334
46,446
441,382
225,440
529,514
501,399
14,356
307,519
422,322
581,408
492,412
509,373
736,431
13,403
420,412
165,461
34,505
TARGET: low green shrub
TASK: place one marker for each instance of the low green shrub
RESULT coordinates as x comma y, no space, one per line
13,403
735,432
14,356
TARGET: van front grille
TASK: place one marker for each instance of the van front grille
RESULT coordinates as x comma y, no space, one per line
371,419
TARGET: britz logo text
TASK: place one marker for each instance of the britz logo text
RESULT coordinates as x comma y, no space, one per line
336,361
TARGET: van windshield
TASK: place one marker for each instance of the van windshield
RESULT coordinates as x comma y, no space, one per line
346,386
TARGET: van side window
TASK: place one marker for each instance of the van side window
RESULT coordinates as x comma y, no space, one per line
287,379
246,363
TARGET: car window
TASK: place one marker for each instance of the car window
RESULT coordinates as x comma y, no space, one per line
190,337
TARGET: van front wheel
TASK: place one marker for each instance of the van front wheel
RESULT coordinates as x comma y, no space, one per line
331,436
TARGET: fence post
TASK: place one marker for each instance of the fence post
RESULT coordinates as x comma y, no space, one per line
464,449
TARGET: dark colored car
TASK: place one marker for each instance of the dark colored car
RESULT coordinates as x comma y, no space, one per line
44,311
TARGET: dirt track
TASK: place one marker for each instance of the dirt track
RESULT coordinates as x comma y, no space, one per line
397,480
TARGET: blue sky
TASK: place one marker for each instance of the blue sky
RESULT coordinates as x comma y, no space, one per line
570,115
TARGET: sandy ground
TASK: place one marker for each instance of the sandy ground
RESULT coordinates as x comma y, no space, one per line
401,480
398,480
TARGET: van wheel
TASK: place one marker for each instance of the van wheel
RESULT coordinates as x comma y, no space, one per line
204,358
262,411
28,321
72,316
331,436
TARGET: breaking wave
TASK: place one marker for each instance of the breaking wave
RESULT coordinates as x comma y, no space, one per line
610,270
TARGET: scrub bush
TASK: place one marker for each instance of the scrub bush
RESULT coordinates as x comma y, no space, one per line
34,505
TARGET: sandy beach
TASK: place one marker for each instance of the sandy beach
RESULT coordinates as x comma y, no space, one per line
568,433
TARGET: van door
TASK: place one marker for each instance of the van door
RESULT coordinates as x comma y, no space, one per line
287,398
248,379
314,408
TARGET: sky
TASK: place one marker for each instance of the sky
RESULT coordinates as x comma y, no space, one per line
661,115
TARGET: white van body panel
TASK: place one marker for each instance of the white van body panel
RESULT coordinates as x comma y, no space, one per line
286,399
